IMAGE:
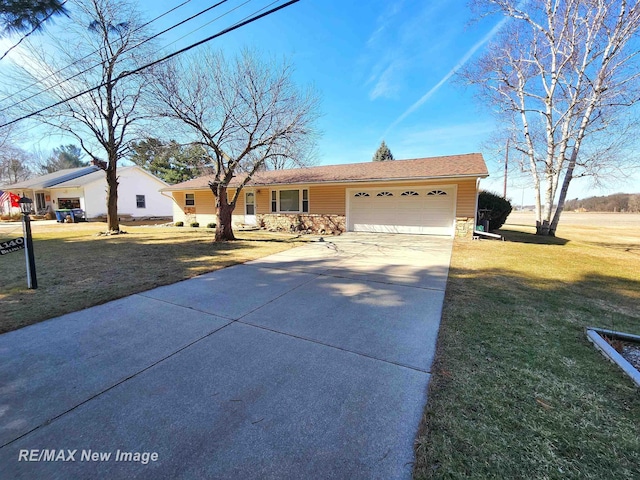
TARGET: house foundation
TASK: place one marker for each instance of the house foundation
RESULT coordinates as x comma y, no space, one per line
309,223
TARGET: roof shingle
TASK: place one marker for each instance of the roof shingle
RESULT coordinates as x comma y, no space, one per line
467,165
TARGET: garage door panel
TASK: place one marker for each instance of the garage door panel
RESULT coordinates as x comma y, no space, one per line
417,212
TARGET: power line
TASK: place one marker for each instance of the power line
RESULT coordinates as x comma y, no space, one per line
155,62
78,61
124,51
214,20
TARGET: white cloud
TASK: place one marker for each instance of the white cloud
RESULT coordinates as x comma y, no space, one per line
465,58
396,43
386,85
441,140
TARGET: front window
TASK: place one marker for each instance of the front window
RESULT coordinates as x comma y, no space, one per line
68,203
140,201
289,200
190,199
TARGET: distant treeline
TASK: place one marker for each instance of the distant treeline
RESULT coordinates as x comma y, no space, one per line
618,202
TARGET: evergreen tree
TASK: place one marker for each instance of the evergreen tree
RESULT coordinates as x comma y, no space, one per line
382,154
18,16
64,156
172,162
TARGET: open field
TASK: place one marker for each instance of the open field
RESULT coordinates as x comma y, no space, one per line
517,390
77,269
582,219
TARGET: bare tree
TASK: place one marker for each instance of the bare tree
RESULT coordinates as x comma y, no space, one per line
15,164
562,74
101,44
245,112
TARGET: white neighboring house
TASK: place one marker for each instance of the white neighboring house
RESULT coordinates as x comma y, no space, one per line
86,188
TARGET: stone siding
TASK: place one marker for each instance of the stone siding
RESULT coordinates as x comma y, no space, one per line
464,227
303,222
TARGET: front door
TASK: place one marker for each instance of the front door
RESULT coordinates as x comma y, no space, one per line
41,204
250,208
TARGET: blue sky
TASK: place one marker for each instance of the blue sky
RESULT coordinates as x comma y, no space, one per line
383,69
372,63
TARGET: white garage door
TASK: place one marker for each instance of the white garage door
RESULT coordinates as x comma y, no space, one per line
417,210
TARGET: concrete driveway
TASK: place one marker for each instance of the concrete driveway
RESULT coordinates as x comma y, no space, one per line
311,363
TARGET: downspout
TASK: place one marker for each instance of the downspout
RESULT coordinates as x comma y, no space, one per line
475,214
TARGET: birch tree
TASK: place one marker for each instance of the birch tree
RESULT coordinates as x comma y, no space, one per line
102,42
564,74
244,112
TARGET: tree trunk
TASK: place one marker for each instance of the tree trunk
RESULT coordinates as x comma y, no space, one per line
224,212
113,224
568,176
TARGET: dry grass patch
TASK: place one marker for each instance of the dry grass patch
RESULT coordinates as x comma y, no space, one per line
517,390
77,269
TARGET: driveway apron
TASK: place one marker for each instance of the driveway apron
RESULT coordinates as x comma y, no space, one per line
310,363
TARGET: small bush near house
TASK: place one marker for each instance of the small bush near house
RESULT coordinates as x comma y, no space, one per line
211,225
499,207
179,224
195,224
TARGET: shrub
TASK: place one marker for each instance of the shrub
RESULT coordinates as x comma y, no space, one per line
498,206
194,224
211,225
179,224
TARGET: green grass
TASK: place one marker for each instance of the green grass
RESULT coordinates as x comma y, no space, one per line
517,390
78,269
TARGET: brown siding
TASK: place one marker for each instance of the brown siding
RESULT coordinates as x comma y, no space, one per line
206,202
466,206
331,199
327,199
263,201
239,210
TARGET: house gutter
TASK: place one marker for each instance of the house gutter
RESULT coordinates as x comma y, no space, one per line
337,182
169,196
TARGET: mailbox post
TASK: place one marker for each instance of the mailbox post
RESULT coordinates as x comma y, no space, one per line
25,206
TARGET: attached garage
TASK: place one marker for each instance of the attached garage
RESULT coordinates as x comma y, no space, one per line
414,209
428,196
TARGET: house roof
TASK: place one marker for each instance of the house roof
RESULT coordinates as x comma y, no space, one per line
81,181
467,165
71,178
100,175
51,179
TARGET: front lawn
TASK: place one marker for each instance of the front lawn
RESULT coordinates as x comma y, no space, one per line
77,269
517,390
